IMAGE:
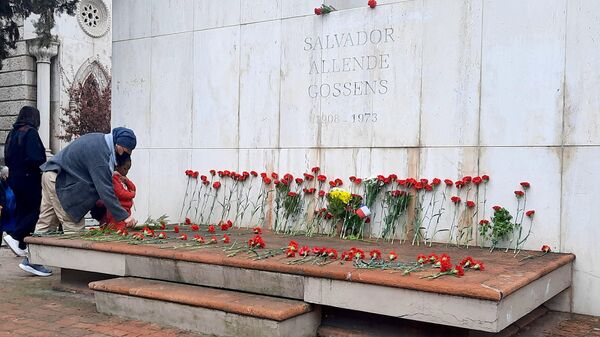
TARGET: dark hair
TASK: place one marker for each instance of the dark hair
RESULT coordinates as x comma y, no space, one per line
122,159
29,116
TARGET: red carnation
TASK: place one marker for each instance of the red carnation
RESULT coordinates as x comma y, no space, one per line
318,11
211,229
546,248
530,213
484,222
470,203
525,184
183,237
375,254
321,178
203,178
485,178
448,182
478,265
497,208
372,3
188,221
392,255
459,184
225,238
176,229
436,181
216,185
304,251
274,175
254,173
421,259
322,193
195,227
267,180
466,179
519,194
213,172
458,271
477,180
299,181
315,169
455,199
358,181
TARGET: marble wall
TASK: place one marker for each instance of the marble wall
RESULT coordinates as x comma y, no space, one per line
423,88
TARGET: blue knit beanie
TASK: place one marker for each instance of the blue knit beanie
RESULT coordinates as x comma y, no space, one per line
124,137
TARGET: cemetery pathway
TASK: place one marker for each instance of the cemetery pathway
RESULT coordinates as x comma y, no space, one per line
31,306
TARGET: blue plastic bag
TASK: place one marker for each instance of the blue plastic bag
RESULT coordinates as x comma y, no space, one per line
8,212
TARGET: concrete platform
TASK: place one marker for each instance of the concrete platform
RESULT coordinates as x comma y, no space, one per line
212,312
487,301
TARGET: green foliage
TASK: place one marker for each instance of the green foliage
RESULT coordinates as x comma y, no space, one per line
501,227
396,203
11,11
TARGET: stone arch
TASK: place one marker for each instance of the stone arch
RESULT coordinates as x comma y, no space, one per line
92,67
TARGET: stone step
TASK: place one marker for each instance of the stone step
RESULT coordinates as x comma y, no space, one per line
209,311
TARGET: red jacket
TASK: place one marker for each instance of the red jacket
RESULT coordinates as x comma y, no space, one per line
125,192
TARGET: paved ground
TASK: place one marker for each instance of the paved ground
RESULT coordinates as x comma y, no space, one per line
32,306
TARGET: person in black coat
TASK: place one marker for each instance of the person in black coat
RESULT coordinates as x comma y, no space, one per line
24,152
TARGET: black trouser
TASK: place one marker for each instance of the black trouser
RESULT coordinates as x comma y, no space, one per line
28,197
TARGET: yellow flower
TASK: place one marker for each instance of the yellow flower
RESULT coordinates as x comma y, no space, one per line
340,194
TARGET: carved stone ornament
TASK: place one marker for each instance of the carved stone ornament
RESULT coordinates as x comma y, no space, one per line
93,17
42,54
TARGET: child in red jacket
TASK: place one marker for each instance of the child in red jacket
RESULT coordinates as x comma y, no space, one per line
124,190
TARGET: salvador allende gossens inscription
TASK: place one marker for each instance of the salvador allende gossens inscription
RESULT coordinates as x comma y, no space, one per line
365,62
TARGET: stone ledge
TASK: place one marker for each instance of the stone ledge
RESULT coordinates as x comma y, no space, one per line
259,306
504,274
207,322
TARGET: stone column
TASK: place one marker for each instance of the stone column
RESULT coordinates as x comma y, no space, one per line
43,56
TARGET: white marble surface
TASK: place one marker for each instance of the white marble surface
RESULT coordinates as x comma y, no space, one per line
297,107
171,91
132,18
448,163
216,88
451,73
140,176
167,180
260,10
582,125
580,225
214,14
293,8
131,88
172,16
541,167
260,84
519,89
475,87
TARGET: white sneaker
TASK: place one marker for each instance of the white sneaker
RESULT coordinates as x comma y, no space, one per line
35,269
14,246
